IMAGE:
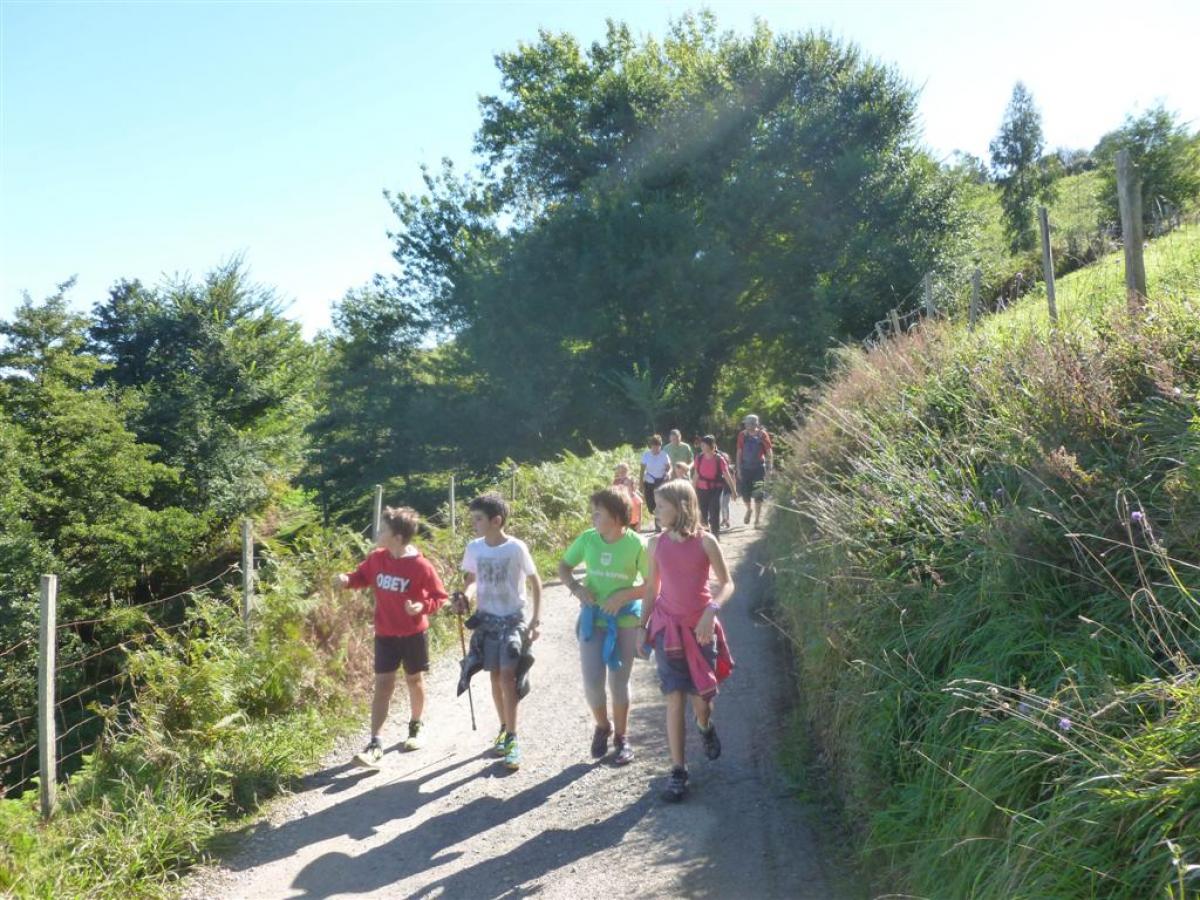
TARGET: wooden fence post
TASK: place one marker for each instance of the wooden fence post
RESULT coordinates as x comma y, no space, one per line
930,306
514,484
47,737
377,520
1129,199
894,318
453,511
976,282
247,569
1048,262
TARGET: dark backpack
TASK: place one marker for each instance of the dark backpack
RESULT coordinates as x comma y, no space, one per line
752,452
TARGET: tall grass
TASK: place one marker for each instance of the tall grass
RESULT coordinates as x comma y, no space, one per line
987,551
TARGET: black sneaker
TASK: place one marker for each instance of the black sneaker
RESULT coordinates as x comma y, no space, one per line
712,743
600,741
676,788
624,752
370,755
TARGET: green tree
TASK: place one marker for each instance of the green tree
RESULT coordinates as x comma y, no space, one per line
216,378
1167,158
1018,165
80,483
366,431
667,204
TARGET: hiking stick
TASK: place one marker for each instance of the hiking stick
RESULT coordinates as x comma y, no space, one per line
462,641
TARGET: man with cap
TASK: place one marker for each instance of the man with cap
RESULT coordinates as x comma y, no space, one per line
754,458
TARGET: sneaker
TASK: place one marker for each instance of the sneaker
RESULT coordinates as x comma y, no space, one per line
624,751
712,743
414,740
676,788
370,755
499,745
512,754
600,741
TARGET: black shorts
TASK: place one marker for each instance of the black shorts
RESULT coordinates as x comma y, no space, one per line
412,651
750,483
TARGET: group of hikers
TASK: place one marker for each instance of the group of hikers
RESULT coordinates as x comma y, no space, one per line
710,471
637,598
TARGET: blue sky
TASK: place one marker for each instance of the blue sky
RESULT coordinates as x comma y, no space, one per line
143,139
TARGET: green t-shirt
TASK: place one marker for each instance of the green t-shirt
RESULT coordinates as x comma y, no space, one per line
610,567
680,452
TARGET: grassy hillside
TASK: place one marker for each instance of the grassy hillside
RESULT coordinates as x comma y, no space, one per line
1077,236
989,555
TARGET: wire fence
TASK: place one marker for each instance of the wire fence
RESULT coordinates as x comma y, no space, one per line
91,689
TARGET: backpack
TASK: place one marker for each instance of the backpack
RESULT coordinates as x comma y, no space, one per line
752,452
711,484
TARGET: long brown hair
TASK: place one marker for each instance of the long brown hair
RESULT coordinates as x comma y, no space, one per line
681,495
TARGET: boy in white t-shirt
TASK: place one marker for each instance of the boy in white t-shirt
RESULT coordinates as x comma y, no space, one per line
497,567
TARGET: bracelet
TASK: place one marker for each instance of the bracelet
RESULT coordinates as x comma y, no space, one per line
714,606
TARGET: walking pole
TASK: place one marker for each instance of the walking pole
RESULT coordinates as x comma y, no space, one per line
462,641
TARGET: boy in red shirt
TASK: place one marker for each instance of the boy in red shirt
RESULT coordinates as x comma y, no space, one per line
407,591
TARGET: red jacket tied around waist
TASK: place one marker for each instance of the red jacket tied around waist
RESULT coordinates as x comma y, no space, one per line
683,596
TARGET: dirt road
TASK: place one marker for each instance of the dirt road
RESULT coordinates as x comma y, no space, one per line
449,821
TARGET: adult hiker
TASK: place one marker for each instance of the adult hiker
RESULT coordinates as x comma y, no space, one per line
407,591
711,477
654,470
680,623
678,450
610,607
754,457
497,568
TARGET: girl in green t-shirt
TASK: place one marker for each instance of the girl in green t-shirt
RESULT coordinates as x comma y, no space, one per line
610,604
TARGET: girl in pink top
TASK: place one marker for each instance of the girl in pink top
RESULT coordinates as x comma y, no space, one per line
680,622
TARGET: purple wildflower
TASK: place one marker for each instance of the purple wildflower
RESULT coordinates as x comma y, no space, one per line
1137,517
1064,724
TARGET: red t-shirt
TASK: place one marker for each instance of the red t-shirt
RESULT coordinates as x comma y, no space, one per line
712,473
394,581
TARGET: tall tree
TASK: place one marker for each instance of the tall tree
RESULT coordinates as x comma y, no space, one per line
662,207
221,382
1017,164
82,482
1167,157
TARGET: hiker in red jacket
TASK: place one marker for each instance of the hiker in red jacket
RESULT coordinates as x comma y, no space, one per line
407,591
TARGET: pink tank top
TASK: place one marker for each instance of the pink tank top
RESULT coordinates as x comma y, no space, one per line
683,577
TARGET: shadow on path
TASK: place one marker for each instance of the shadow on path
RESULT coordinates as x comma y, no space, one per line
425,847
357,817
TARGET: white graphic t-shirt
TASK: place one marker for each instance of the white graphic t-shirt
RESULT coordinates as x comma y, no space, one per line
500,574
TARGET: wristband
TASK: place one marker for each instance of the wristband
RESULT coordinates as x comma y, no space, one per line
714,606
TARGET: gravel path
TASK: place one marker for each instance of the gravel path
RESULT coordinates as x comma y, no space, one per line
449,821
